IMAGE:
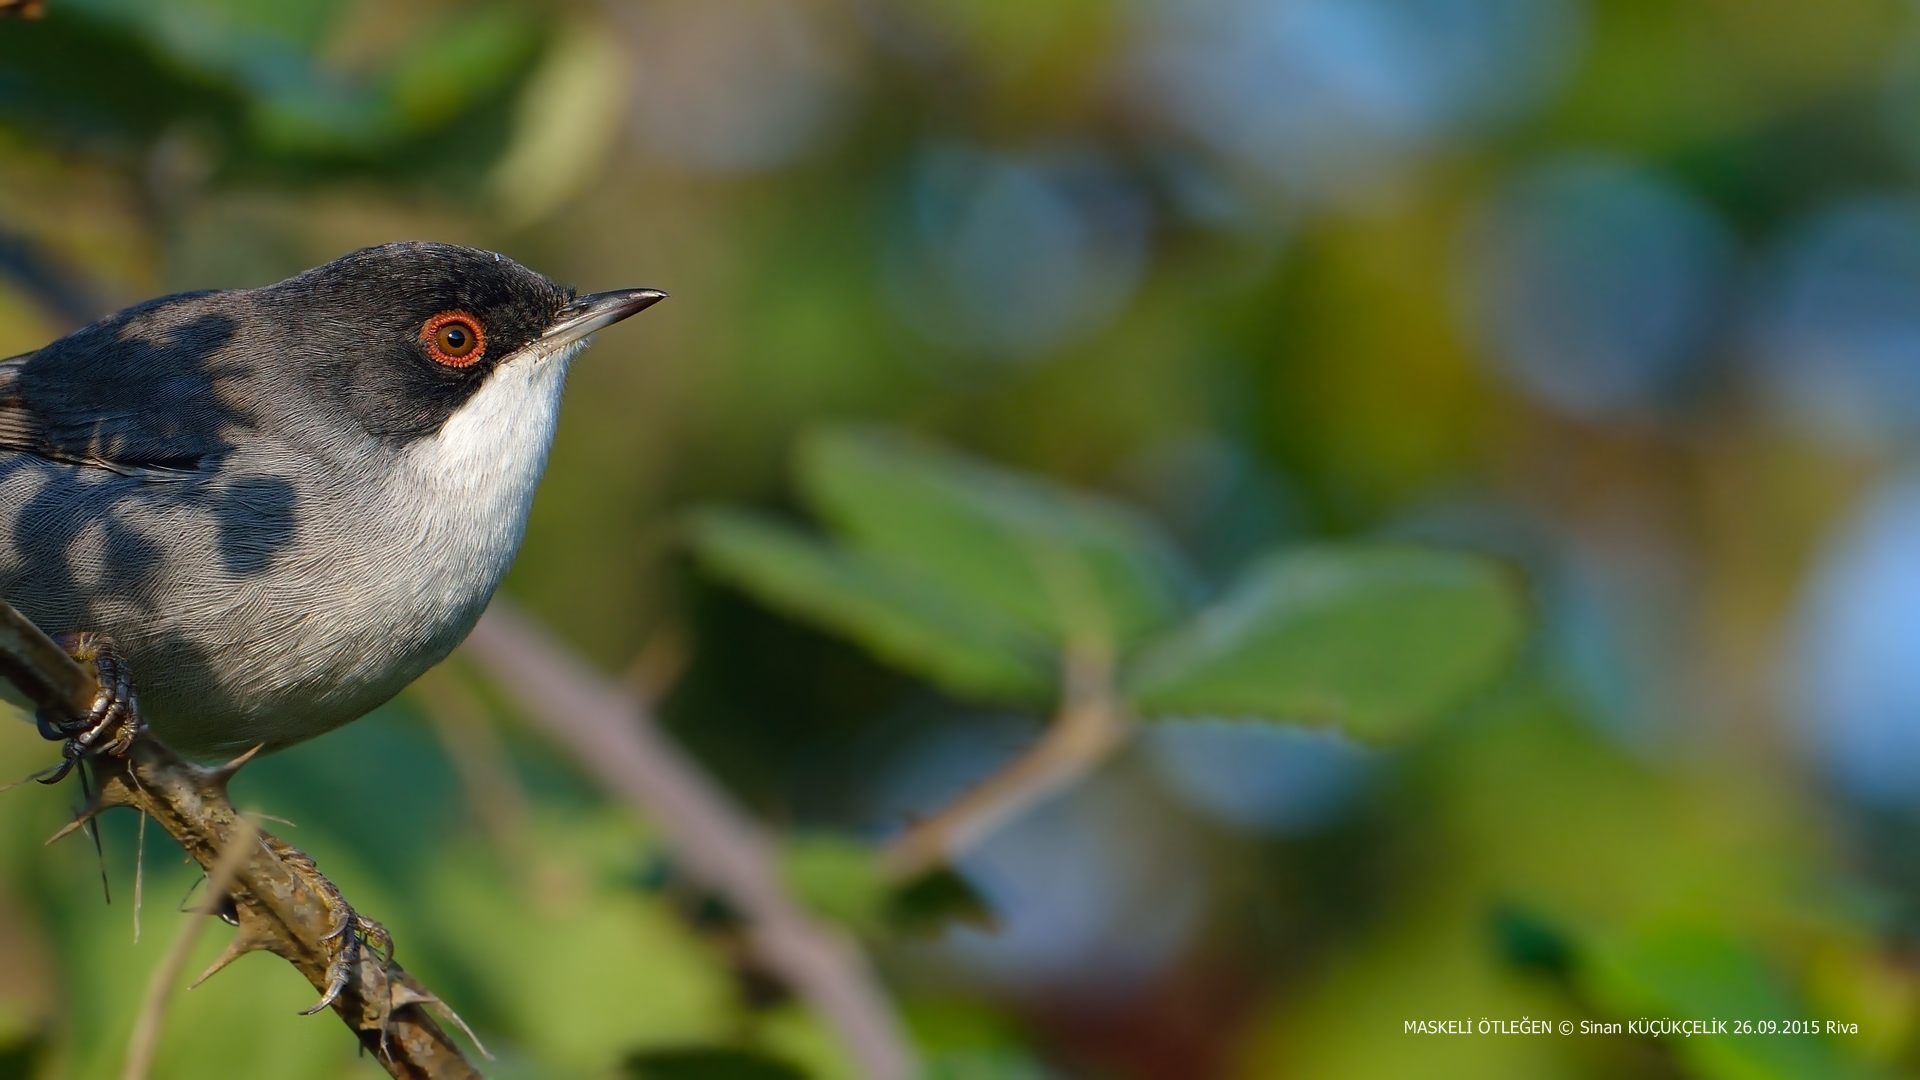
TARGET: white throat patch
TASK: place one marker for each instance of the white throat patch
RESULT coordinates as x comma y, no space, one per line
471,484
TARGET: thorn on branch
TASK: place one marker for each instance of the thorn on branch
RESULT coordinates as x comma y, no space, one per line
222,774
254,935
153,1011
275,895
103,800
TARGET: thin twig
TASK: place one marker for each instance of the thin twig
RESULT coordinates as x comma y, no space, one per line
139,874
1089,728
153,1011
613,736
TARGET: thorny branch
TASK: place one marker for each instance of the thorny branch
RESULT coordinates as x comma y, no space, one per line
278,899
611,733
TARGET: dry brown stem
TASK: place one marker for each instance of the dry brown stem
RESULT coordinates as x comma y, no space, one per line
611,733
153,1011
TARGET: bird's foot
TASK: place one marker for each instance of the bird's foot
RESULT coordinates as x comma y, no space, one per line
353,934
113,722
359,958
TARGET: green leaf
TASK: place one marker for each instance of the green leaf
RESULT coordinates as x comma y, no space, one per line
843,880
703,1063
1688,974
1060,563
1376,639
969,1040
936,900
303,100
902,617
602,967
992,1063
838,878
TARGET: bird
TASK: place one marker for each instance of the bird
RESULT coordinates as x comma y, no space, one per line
263,512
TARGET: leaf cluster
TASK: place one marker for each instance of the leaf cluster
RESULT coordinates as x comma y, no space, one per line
982,580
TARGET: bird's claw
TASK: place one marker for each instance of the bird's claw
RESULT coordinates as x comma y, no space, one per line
351,933
358,953
111,725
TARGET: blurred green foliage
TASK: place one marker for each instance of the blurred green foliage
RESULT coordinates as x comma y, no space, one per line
1254,479
295,84
1372,639
980,580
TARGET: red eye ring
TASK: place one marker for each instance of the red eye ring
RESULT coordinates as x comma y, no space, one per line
454,339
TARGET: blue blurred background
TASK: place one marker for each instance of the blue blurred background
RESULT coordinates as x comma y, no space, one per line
1624,292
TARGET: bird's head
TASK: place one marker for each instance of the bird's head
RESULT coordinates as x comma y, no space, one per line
406,334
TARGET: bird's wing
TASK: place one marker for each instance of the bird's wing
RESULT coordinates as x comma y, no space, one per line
137,407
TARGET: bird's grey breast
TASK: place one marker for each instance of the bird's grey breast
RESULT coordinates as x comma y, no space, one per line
303,581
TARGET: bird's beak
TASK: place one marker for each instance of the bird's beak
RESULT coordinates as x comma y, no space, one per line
585,314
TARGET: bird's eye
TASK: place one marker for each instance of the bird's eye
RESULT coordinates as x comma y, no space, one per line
454,338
